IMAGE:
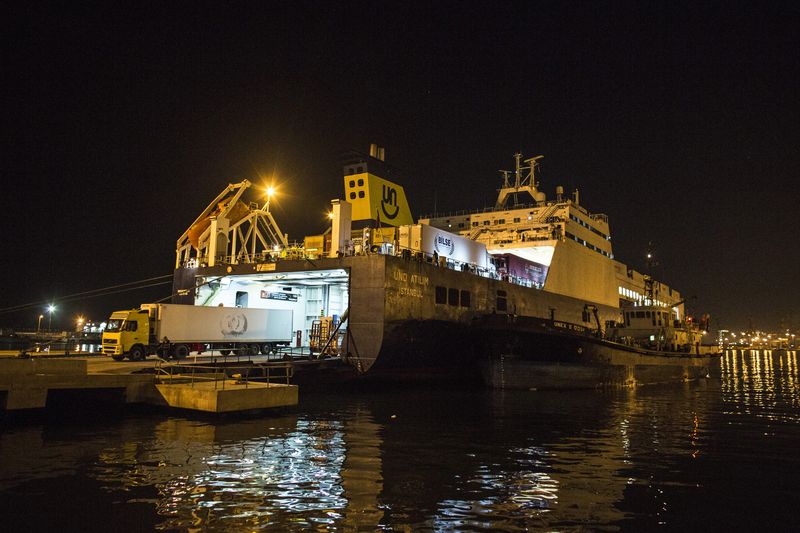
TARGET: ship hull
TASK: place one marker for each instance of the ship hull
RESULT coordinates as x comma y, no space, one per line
405,325
525,353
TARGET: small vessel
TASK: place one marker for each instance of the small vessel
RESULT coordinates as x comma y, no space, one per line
649,347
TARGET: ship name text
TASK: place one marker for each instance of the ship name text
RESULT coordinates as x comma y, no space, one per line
412,284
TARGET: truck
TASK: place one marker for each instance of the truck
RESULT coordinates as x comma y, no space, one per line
174,330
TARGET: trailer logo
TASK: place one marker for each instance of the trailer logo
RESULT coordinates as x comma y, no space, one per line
444,245
389,198
233,324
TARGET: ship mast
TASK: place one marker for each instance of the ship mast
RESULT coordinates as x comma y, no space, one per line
523,183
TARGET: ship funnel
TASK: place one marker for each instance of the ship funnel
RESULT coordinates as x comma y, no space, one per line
376,151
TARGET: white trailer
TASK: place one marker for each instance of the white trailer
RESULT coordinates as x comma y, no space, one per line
448,246
175,330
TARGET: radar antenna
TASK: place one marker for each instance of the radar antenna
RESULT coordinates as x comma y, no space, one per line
524,182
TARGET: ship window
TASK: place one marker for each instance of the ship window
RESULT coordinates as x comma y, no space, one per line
465,295
647,314
441,295
352,196
501,221
352,183
486,222
452,296
361,193
516,220
639,314
360,180
460,224
474,224
502,302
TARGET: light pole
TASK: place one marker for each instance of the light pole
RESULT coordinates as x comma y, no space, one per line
270,192
50,309
39,324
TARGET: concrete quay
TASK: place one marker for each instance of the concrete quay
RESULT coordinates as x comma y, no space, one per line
32,383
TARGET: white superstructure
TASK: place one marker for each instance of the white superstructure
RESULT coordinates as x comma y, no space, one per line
568,247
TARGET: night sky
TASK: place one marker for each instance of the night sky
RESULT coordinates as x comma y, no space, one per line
679,121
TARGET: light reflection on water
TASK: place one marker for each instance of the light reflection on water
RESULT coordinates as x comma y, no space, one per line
433,460
763,383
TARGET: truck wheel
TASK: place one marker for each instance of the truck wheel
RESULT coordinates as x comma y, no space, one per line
224,352
252,349
118,357
267,348
180,351
136,353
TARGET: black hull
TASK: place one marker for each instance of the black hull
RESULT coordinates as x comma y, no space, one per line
427,350
527,353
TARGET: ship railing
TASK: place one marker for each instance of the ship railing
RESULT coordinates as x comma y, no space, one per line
266,256
492,209
223,376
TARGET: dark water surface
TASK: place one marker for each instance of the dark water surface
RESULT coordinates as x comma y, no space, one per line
717,455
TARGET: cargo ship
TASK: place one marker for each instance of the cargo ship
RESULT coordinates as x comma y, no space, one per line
526,293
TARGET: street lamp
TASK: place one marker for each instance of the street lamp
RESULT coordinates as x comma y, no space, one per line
39,324
50,309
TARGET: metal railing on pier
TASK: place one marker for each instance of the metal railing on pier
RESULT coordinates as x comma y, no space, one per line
222,376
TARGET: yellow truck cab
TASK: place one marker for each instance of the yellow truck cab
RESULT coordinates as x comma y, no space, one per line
127,334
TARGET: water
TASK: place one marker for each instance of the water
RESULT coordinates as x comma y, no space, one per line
716,455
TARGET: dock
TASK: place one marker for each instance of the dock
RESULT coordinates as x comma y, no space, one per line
32,383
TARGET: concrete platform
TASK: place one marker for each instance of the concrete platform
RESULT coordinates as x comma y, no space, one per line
227,396
32,384
25,383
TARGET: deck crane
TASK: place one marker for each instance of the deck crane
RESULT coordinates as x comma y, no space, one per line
231,231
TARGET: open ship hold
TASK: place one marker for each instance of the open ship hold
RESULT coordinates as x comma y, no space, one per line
526,293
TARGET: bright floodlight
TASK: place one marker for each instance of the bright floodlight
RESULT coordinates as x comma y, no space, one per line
51,308
270,191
